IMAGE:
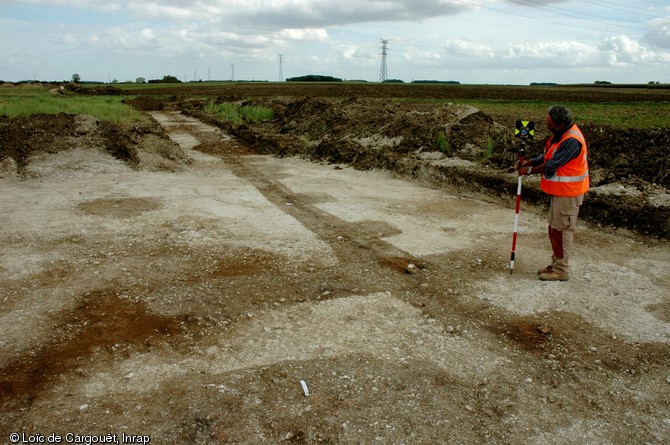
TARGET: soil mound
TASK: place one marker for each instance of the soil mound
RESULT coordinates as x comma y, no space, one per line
103,90
144,146
356,130
21,136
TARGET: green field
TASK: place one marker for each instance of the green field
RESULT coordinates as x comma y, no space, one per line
643,113
617,114
26,101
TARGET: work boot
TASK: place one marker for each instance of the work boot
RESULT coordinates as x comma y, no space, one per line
554,275
547,269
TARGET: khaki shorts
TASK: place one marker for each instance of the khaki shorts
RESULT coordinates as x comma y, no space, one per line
563,211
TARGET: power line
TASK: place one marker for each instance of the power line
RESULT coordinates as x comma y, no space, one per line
571,25
655,3
627,10
571,14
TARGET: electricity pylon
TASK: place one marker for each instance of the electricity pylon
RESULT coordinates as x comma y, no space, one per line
383,75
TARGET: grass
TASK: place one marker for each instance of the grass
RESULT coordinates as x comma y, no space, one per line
629,115
26,101
239,114
488,151
29,100
441,142
625,115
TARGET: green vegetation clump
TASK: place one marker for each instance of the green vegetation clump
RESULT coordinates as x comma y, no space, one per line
441,142
239,114
488,151
26,101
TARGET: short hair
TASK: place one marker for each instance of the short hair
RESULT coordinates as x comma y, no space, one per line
560,115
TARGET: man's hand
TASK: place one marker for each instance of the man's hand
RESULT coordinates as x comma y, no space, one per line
522,168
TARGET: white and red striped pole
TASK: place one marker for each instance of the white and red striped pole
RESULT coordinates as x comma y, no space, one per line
516,222
524,130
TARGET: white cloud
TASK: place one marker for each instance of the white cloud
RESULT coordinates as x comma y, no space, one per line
660,32
147,33
355,53
162,11
69,39
428,38
460,53
624,51
320,35
324,13
468,49
553,53
424,55
85,4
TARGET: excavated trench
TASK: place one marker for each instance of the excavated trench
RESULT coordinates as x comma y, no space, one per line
185,288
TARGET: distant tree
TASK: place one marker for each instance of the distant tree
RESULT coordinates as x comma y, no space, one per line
76,78
449,82
166,79
313,78
140,80
115,80
602,82
394,81
654,82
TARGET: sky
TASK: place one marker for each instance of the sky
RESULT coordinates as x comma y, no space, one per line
472,42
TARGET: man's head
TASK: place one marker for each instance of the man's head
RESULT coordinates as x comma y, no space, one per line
558,119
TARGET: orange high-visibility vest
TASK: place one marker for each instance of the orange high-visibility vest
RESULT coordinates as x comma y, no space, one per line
571,179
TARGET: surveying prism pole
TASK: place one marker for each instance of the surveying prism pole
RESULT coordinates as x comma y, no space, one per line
524,130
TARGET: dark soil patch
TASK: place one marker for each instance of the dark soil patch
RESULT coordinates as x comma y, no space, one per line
119,207
530,335
102,322
24,136
21,136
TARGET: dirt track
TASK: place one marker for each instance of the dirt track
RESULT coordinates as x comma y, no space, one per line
188,302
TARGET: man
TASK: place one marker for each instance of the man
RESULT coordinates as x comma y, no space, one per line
565,178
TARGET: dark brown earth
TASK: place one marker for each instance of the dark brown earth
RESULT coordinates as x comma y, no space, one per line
131,323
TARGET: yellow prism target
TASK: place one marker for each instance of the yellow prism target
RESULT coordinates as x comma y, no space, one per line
524,129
